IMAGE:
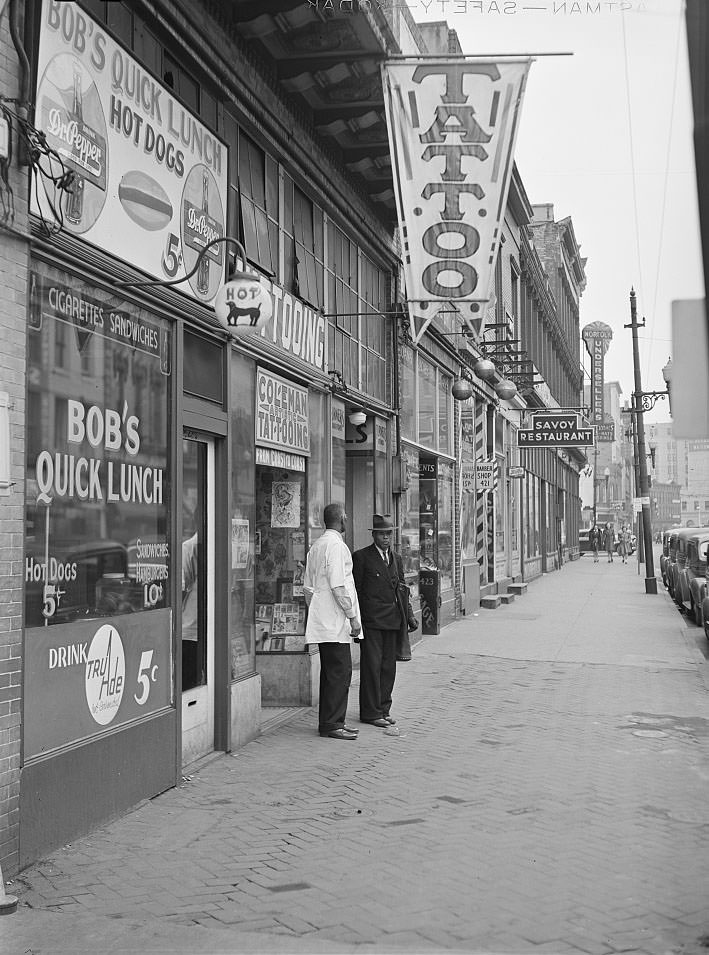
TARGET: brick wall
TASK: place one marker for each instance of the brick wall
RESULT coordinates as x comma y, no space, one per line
14,251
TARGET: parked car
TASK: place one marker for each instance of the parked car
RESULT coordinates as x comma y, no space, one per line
677,558
584,542
705,603
691,588
664,557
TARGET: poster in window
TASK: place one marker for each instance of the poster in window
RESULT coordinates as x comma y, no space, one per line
299,579
264,625
285,504
239,543
285,618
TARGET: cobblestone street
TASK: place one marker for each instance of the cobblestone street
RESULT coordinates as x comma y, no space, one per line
547,792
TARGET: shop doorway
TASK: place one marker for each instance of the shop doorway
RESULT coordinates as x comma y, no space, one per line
197,637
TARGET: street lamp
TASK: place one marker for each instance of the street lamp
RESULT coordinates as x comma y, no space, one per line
652,444
607,477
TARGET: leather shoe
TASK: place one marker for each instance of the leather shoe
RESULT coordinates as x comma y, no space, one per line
343,733
380,722
390,720
351,729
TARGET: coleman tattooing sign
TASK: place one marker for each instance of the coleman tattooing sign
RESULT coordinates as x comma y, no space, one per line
149,180
281,414
452,127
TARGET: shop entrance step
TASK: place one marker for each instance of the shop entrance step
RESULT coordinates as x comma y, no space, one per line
517,589
491,602
507,598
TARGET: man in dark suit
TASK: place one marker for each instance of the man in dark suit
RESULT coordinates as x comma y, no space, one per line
378,574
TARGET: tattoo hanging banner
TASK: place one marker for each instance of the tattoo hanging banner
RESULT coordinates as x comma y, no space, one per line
452,126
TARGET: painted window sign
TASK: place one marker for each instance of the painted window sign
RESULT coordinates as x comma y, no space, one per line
98,554
452,126
281,414
149,179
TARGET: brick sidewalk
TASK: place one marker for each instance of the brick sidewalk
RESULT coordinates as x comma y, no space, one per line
548,792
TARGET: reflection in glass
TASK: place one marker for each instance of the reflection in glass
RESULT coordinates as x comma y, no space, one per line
241,616
97,451
194,615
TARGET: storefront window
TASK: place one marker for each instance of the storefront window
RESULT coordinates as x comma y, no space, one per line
445,524
242,517
407,393
444,414
500,515
280,559
339,463
285,436
98,553
318,464
428,424
410,547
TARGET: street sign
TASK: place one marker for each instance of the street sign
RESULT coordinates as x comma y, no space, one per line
485,472
606,431
515,472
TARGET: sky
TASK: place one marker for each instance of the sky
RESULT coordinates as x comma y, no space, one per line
606,136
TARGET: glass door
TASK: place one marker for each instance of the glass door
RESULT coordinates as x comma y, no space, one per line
197,644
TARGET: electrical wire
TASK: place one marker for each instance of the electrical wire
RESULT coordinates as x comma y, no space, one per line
632,157
680,21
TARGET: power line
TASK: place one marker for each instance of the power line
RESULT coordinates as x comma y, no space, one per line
632,157
680,20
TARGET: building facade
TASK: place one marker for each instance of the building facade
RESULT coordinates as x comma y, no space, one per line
163,474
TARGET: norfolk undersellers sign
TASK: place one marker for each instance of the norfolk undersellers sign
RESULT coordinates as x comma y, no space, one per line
555,431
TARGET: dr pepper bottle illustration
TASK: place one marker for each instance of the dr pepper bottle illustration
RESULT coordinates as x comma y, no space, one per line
74,207
203,271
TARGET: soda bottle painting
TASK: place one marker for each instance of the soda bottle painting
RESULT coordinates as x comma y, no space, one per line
203,271
74,206
70,114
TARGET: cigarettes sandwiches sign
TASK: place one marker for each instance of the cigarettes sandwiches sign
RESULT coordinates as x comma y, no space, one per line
452,126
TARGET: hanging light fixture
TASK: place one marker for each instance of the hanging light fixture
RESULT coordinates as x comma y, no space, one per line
243,305
484,368
505,389
357,417
462,389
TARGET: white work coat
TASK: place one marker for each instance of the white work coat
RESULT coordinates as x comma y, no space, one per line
329,565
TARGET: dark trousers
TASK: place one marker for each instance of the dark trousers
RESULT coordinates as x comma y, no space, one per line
377,672
335,679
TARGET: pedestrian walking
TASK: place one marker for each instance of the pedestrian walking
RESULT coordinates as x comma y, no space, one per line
624,543
594,539
609,540
333,620
379,579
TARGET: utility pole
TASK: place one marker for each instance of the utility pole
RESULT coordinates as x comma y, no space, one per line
650,579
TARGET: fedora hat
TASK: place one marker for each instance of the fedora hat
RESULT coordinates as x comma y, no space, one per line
382,522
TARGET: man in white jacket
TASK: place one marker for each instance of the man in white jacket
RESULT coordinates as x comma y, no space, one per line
333,620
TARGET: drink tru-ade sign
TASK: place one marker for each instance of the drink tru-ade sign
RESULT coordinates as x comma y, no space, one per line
150,180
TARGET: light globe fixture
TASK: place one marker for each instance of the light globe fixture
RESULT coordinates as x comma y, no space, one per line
357,417
484,368
243,305
505,389
462,389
